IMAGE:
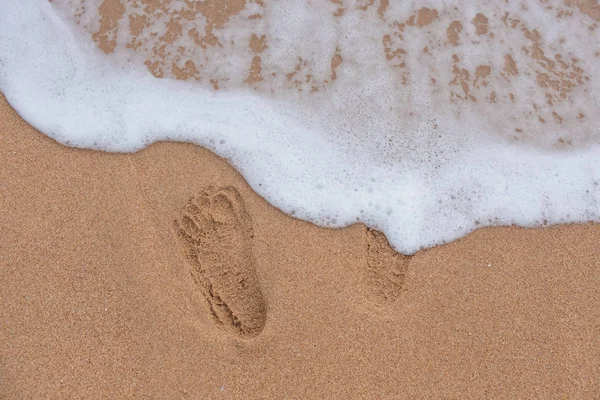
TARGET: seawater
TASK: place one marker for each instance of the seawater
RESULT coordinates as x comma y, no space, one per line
424,119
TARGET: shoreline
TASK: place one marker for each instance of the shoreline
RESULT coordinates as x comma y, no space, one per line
98,301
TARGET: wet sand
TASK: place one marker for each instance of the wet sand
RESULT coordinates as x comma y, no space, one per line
161,274
101,298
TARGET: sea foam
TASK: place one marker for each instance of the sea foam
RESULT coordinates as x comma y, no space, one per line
425,120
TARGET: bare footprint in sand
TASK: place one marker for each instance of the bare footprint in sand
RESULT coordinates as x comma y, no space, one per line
385,271
215,233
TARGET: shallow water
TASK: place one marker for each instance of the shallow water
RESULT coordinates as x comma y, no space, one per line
423,119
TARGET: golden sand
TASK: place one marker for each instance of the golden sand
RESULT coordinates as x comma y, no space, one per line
161,274
100,301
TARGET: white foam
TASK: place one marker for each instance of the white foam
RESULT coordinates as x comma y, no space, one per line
412,159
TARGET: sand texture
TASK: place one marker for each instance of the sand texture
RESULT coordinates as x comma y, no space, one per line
161,274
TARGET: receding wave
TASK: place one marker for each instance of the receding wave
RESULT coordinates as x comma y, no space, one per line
423,119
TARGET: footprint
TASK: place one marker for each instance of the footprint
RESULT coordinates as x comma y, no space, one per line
215,232
385,272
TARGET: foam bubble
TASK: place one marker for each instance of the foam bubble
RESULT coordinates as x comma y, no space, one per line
423,122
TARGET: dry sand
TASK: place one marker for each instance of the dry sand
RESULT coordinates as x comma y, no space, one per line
99,300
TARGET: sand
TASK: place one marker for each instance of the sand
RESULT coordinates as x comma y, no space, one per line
101,300
161,274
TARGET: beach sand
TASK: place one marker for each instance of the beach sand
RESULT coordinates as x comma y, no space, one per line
161,274
100,301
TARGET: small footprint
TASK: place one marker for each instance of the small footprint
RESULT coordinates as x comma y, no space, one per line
215,232
385,272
